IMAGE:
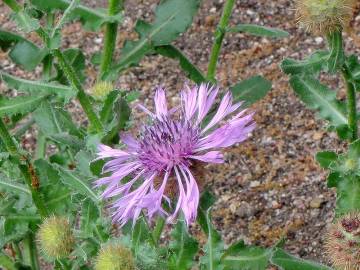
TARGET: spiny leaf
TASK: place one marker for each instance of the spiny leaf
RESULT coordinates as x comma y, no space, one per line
242,257
25,22
38,87
191,71
259,30
20,104
348,195
286,261
172,17
313,65
92,19
13,186
320,98
77,183
184,248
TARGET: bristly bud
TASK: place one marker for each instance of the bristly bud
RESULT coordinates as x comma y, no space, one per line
101,89
343,242
325,16
114,257
55,237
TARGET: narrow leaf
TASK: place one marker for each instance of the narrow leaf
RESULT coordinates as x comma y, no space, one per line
258,30
38,87
20,104
286,261
191,71
251,90
13,186
77,183
313,65
337,56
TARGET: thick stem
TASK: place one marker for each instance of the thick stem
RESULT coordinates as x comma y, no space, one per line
219,37
81,95
110,37
47,68
351,103
159,227
30,251
18,252
27,170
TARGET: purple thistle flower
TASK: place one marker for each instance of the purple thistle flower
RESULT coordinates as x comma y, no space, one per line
166,150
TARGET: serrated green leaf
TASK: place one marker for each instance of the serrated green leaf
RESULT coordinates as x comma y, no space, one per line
25,22
242,257
56,195
349,162
89,215
184,248
22,51
337,55
313,65
206,201
320,98
259,30
347,195
172,17
13,186
92,19
191,71
20,104
250,90
285,261
325,158
83,160
65,139
214,248
353,65
77,183
38,87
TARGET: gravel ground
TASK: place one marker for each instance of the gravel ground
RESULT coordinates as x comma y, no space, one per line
271,185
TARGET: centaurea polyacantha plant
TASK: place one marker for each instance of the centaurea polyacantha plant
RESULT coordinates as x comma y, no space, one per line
167,148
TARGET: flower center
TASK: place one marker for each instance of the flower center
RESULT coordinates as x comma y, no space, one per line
167,143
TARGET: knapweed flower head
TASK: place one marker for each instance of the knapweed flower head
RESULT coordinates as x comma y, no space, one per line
325,16
101,89
114,257
55,237
343,242
167,149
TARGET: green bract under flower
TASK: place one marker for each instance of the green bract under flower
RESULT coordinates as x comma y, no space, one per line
114,257
55,237
101,89
325,16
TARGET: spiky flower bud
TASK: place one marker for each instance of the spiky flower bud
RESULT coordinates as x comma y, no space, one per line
343,242
114,257
101,89
325,16
55,237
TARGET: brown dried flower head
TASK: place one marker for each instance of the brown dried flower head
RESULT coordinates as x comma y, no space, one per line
342,244
325,16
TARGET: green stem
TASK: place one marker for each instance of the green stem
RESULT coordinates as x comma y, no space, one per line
110,37
6,262
351,103
81,95
13,5
160,224
152,239
219,37
25,169
47,68
30,251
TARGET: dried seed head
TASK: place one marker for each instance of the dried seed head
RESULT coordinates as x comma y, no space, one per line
114,257
101,89
343,242
325,16
55,237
